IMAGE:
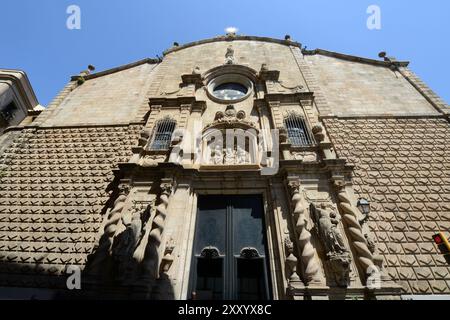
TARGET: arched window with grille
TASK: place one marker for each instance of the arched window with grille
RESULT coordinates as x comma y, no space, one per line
297,130
162,135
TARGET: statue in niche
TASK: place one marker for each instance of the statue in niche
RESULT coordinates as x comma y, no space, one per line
126,243
327,222
338,257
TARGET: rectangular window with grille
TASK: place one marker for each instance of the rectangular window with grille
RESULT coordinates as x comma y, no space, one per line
162,136
297,131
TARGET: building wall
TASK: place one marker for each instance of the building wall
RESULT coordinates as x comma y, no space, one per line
403,167
354,88
112,99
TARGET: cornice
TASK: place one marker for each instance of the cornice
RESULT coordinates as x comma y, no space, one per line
117,69
354,58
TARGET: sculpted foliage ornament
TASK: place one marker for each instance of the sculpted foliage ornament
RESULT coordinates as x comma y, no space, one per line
210,253
318,133
230,119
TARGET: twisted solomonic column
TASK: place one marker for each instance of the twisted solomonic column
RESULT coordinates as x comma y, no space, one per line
151,258
350,216
110,228
291,260
307,251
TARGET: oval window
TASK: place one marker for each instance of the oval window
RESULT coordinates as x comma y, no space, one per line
230,91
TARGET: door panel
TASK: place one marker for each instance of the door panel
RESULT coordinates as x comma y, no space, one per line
229,259
248,229
210,282
251,279
211,224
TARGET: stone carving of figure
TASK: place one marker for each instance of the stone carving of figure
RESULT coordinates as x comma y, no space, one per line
218,155
337,254
229,156
229,56
328,230
126,242
241,155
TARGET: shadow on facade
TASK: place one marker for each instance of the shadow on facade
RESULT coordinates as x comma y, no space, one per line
25,281
124,264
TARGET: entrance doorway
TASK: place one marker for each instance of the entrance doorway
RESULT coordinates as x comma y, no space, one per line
230,251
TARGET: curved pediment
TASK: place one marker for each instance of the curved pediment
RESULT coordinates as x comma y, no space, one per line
230,69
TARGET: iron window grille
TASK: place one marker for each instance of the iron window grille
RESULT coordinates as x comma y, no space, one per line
297,129
8,112
162,136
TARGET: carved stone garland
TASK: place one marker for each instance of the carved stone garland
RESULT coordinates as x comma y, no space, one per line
150,262
307,251
350,215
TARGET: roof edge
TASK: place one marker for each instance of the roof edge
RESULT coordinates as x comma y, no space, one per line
355,58
117,69
230,38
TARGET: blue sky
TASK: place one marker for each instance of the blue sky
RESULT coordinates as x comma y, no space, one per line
35,37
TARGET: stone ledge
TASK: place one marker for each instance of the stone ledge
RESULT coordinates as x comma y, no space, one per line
382,116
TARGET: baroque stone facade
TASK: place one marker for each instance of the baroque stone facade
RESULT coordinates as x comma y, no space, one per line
119,176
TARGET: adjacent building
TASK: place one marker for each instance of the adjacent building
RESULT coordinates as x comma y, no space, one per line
17,99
